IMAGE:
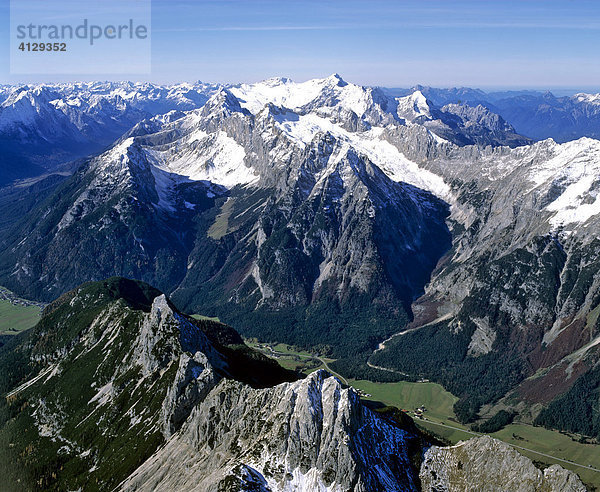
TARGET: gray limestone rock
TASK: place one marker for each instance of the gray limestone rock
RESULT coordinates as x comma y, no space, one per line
489,465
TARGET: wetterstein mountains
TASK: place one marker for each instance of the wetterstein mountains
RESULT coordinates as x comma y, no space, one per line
318,213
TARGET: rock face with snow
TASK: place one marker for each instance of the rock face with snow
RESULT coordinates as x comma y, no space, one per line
519,291
316,213
308,435
255,209
44,126
487,464
459,123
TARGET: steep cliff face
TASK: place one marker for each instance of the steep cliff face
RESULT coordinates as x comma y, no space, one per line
513,305
487,464
308,435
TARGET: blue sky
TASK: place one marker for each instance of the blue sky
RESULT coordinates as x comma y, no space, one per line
488,44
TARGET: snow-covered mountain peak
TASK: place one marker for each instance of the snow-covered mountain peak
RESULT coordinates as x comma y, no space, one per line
275,81
303,129
571,181
46,125
285,93
25,105
120,151
181,151
336,79
223,97
214,157
414,107
587,98
23,94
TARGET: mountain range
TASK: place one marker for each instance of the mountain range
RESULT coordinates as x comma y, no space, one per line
426,234
45,126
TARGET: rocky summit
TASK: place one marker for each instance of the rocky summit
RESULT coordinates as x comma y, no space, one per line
487,464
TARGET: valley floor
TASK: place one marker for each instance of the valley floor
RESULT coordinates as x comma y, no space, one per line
17,314
539,444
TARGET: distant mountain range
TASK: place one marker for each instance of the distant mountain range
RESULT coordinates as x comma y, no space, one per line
330,215
47,125
43,126
537,115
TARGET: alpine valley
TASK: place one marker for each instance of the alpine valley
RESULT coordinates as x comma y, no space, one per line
115,389
407,234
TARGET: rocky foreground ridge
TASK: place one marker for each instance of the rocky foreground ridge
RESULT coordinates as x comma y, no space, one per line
115,389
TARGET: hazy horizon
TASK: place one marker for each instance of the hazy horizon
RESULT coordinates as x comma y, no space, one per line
541,45
557,91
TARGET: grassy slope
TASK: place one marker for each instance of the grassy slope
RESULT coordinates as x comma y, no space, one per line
407,395
219,228
205,318
16,318
293,359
